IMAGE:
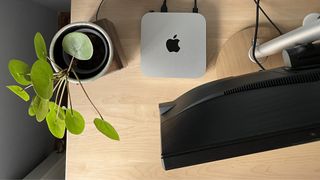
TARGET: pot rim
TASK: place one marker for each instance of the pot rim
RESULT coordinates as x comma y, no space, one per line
88,24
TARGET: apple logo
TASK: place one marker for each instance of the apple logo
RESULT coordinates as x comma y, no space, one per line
173,44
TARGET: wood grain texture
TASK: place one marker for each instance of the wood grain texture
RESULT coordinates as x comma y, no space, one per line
130,100
233,57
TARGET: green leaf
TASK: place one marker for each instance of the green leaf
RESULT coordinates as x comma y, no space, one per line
19,91
56,124
54,107
42,79
74,122
19,71
40,46
40,107
31,112
105,128
78,45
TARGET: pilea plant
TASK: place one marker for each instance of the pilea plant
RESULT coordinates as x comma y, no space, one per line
45,83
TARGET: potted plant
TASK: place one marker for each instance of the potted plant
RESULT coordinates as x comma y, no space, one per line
45,82
88,70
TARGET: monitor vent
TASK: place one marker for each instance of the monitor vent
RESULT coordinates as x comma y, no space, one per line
296,79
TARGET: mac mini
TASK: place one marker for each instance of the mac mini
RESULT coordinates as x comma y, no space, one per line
173,45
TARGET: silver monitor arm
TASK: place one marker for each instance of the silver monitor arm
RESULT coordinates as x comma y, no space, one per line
307,33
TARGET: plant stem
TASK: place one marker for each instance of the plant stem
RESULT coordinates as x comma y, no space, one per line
61,74
61,96
28,87
71,63
57,95
85,92
54,63
67,82
57,84
58,73
70,102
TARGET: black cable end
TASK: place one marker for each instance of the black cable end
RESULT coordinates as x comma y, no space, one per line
164,7
195,10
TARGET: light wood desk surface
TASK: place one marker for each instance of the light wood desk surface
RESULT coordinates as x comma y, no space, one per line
130,100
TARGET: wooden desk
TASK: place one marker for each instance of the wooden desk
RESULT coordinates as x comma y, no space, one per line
130,100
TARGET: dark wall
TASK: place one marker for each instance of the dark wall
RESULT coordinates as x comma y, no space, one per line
24,143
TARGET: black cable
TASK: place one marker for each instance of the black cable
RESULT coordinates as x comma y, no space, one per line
164,7
269,19
195,8
256,36
97,13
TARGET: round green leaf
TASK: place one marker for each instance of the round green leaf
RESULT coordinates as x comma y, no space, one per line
19,91
56,125
40,46
78,45
20,71
42,79
40,107
105,128
74,122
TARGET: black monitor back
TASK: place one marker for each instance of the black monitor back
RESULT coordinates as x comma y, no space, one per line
241,115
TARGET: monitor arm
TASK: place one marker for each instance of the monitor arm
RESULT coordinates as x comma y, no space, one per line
307,33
